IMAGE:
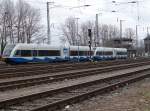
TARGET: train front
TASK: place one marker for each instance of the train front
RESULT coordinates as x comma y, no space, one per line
7,53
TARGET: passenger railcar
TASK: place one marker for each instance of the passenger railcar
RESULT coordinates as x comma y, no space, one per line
24,53
120,53
105,53
80,53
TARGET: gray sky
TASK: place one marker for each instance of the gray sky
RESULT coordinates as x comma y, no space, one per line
128,12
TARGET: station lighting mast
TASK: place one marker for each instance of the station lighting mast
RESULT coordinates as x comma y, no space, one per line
48,24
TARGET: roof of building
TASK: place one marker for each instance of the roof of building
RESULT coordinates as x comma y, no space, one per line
122,39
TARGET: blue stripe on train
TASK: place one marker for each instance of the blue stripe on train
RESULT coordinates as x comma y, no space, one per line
35,59
18,60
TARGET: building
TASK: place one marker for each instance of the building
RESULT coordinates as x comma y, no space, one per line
122,43
147,45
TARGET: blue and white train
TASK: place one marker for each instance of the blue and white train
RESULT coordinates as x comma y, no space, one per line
25,53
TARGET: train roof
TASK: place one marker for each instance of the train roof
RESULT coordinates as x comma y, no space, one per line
121,49
46,47
110,48
36,46
57,47
83,48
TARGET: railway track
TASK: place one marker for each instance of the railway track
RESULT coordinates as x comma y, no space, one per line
30,71
74,91
9,84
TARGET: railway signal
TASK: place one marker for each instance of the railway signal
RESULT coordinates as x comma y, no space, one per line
90,40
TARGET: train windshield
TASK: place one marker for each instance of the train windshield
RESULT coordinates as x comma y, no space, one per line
7,50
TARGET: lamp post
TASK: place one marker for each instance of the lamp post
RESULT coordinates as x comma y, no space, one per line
121,32
77,22
97,24
97,27
48,24
136,34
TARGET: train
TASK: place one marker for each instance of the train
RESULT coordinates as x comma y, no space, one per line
26,53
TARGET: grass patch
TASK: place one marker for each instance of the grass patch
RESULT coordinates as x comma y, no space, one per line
146,95
147,109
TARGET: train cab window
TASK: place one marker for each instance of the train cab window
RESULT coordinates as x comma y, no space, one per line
8,49
18,53
49,53
25,53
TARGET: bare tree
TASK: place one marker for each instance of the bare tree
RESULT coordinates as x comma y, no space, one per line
69,30
84,32
129,33
27,23
6,22
107,33
19,22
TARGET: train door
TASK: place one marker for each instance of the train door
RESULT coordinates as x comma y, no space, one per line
34,53
65,52
114,53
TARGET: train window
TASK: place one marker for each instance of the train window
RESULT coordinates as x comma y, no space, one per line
49,53
54,53
25,53
73,53
121,53
108,53
99,53
18,53
84,53
81,53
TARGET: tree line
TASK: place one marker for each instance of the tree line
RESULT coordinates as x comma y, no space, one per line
78,35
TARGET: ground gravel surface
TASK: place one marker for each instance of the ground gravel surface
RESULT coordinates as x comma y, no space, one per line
135,97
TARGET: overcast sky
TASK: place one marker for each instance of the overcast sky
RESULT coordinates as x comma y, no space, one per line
124,11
